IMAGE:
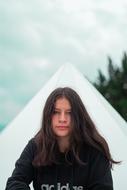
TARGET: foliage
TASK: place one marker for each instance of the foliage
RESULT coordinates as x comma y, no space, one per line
114,87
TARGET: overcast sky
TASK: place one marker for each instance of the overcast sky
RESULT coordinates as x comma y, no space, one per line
37,37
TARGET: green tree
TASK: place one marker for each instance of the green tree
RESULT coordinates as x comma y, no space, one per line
114,87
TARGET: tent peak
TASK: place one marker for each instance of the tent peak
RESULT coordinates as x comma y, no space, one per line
68,65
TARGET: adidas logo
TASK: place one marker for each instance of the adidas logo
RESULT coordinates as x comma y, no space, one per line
60,187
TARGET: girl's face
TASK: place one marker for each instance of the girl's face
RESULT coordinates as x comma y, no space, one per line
61,119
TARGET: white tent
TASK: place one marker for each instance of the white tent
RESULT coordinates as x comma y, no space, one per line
15,136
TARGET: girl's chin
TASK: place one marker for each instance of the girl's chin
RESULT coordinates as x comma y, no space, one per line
62,135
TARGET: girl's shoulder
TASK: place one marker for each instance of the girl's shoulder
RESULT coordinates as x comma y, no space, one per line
92,153
31,147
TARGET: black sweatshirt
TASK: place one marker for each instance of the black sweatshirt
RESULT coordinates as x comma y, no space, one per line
94,175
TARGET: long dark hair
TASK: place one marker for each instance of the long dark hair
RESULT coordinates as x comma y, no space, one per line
84,130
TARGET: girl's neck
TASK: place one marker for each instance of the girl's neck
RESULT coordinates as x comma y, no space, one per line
63,144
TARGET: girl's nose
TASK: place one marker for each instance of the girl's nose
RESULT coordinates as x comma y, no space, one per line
62,117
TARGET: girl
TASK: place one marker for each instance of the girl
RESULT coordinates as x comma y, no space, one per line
67,153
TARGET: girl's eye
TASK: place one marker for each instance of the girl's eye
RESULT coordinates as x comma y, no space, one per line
58,112
55,112
68,113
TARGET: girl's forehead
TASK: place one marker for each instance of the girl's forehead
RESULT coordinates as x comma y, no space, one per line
62,102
